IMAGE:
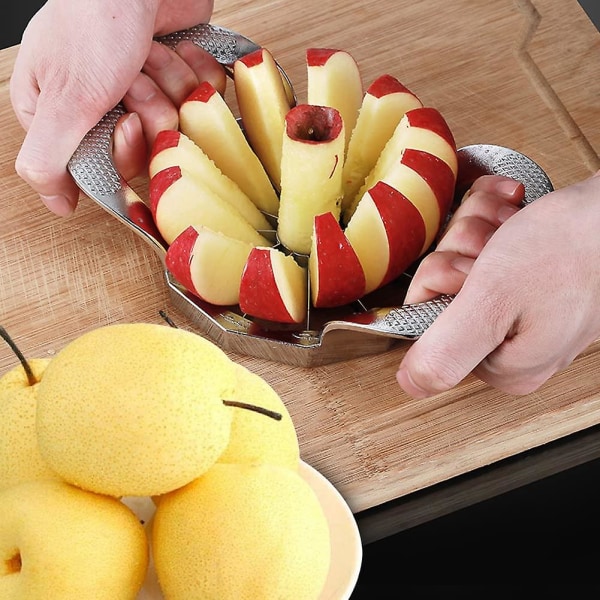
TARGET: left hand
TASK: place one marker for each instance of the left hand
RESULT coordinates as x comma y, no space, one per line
77,60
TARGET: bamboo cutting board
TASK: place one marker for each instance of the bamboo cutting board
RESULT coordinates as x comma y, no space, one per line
518,73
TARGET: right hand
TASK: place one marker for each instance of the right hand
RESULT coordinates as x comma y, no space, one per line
78,59
527,301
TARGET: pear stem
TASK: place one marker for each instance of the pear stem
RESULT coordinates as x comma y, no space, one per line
259,409
167,319
31,379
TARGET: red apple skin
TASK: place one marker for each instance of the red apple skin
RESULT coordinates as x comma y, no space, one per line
202,93
179,256
437,174
259,295
159,183
387,84
253,59
317,57
404,227
341,276
167,138
427,117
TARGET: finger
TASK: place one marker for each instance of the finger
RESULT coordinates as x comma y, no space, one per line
447,352
130,151
468,236
170,73
500,185
488,205
155,109
509,376
438,273
203,64
54,133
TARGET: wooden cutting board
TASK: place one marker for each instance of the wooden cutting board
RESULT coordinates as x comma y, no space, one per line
519,73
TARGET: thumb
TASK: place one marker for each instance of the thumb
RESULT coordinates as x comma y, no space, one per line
448,351
54,133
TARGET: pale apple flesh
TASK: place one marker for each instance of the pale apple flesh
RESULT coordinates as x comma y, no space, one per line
263,104
385,103
208,264
311,172
387,232
420,129
208,121
336,274
178,200
274,287
333,79
407,180
359,186
174,149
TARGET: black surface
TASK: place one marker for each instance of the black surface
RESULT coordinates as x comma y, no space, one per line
592,8
11,27
544,533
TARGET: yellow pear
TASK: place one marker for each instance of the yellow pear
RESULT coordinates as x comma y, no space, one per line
58,542
135,409
20,459
242,532
256,438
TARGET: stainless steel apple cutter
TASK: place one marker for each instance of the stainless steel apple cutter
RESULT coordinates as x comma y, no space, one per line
370,326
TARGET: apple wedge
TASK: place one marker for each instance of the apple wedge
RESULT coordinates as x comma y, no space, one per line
208,264
178,200
387,233
333,79
274,287
336,274
311,172
383,106
263,104
172,148
420,129
207,120
428,182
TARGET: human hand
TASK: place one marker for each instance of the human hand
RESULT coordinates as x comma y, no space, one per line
527,290
77,60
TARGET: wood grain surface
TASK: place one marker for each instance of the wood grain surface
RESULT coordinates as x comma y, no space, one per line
519,73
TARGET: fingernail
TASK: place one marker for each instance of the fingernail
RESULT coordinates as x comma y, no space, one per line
508,188
462,264
406,382
129,129
59,205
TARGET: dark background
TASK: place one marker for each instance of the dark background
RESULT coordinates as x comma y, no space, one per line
539,540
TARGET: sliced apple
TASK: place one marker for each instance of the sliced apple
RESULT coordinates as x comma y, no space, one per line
208,264
208,121
263,104
336,273
428,183
274,287
173,148
383,106
387,233
178,200
333,79
311,172
420,129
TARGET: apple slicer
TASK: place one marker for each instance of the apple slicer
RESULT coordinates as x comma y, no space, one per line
369,326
